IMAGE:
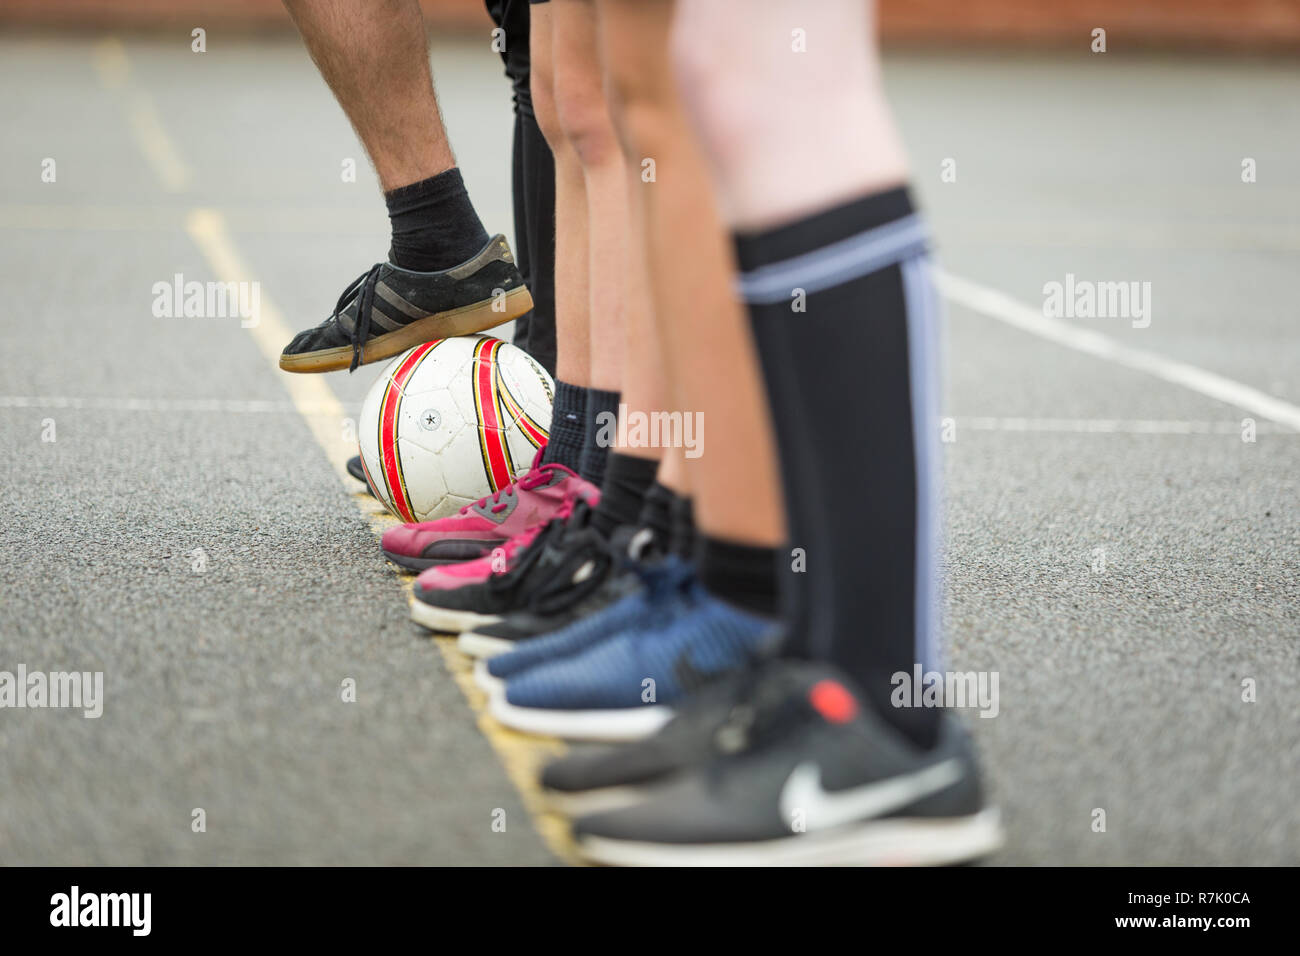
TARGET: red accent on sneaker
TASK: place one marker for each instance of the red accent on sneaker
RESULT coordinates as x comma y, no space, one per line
833,701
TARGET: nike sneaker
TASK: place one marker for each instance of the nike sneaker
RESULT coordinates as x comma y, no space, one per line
531,500
806,775
388,310
565,555
625,687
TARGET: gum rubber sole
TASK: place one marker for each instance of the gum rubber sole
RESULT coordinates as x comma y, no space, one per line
468,319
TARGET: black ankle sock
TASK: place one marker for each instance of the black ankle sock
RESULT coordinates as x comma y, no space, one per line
864,339
434,224
602,422
622,496
568,426
657,515
740,574
683,537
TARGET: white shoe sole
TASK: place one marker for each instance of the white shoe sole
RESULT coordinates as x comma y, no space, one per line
888,842
483,646
486,682
605,726
448,621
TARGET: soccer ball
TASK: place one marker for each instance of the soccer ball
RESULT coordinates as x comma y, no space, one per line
451,421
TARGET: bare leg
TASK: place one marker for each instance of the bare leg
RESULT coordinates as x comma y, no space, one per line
646,377
819,132
572,327
703,331
809,167
587,127
375,57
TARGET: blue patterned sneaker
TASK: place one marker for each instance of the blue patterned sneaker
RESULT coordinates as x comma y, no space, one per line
623,688
659,599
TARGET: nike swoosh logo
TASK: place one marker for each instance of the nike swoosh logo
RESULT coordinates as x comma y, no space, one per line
803,795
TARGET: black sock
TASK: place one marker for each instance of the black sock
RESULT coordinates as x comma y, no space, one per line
683,537
657,515
434,224
568,426
602,423
740,574
862,340
622,496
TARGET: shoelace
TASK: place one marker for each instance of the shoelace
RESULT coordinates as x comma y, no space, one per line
536,476
363,287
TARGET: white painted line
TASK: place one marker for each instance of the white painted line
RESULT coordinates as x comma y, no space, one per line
221,405
1105,426
985,423
998,305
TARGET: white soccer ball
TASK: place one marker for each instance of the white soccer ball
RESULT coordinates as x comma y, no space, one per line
451,421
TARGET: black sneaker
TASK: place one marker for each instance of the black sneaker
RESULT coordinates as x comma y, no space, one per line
399,309
569,557
554,612
596,778
805,775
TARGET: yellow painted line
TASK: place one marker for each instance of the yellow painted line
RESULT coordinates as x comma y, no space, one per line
522,755
114,69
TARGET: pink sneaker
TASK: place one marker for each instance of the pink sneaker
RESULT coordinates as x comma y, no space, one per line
443,577
496,520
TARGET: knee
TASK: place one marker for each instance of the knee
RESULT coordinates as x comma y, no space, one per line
641,104
582,115
542,94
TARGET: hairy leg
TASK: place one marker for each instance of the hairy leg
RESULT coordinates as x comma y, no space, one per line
374,55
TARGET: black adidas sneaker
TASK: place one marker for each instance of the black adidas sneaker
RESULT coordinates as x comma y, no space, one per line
804,775
568,558
390,309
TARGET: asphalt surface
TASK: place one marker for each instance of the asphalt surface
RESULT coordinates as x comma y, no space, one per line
1119,690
